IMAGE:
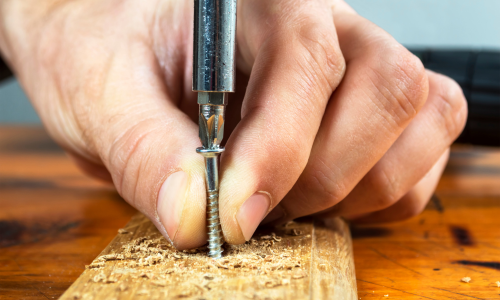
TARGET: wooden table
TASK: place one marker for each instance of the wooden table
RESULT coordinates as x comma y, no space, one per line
54,220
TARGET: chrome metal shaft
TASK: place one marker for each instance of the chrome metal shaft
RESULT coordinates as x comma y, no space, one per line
214,50
214,47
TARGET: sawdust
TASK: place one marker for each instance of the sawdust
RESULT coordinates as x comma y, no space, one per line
271,260
100,277
466,279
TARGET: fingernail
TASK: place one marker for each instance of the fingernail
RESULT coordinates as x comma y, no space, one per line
277,213
251,213
171,202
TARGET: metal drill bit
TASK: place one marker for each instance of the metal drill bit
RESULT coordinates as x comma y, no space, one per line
213,77
211,121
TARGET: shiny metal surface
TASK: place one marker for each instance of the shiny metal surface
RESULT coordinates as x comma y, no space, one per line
214,45
213,77
211,122
212,98
215,239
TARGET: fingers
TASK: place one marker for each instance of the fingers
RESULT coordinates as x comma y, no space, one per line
414,202
113,99
296,64
116,111
414,153
382,91
148,145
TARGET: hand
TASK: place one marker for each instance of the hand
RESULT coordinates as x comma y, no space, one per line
332,116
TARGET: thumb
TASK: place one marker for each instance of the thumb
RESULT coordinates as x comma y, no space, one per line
296,65
149,147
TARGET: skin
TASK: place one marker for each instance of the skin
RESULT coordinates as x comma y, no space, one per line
332,117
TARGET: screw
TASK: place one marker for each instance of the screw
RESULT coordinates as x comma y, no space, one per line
215,239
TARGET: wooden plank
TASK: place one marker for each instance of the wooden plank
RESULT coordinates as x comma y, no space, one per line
303,260
54,220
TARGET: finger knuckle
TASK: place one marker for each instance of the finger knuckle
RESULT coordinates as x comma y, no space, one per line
125,157
412,208
386,188
412,211
307,29
451,106
323,185
401,79
321,55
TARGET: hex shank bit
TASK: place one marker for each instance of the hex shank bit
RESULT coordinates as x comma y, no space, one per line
213,77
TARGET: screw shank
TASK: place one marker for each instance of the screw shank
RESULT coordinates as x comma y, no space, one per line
215,239
212,173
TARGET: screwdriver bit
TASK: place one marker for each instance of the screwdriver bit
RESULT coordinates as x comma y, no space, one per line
214,44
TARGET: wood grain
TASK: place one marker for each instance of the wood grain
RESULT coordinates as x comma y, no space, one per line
303,260
54,220
458,235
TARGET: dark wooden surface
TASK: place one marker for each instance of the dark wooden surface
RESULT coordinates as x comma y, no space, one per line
54,220
458,235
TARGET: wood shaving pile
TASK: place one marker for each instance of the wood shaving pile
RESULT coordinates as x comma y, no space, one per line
268,260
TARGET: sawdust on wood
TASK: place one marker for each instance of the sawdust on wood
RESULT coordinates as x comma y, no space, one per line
466,279
269,258
300,260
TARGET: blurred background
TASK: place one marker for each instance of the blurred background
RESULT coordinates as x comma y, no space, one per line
460,38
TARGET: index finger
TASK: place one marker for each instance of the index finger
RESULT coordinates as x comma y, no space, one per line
384,88
297,64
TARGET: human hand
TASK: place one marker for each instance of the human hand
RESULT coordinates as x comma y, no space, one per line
337,118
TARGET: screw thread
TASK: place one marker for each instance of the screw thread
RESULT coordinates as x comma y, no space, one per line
215,239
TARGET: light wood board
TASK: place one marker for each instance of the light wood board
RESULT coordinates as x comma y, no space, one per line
54,219
306,260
